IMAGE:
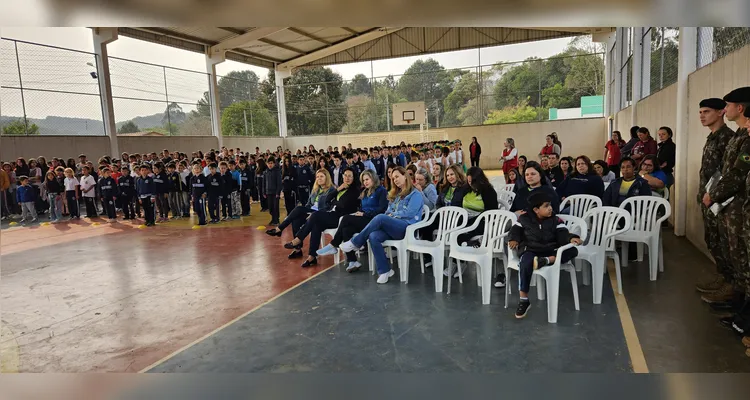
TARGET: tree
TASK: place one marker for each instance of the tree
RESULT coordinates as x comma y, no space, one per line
729,39
196,125
360,85
128,127
428,81
18,127
173,115
521,112
235,86
314,101
663,60
248,118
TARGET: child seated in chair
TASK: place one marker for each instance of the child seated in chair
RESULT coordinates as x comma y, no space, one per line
537,235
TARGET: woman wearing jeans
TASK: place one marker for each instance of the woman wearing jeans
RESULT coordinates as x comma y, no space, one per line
54,195
405,208
374,200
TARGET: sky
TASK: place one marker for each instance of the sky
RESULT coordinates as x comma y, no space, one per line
69,71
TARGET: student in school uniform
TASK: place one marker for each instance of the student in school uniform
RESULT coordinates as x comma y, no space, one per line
108,192
247,181
214,190
146,192
274,187
126,189
88,187
72,193
378,162
289,183
234,195
185,173
198,186
161,185
305,178
226,192
260,183
176,188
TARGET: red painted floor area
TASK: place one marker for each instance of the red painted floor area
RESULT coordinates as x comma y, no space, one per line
115,298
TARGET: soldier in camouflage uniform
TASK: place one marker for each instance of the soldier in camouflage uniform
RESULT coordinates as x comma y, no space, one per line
746,158
732,184
712,116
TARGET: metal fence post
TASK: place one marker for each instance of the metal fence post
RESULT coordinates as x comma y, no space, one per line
539,94
23,101
166,95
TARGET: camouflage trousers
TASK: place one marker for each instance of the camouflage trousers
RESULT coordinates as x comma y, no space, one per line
731,231
718,248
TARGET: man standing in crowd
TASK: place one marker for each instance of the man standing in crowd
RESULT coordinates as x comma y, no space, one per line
732,186
712,117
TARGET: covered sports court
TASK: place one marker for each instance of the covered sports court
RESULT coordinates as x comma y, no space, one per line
86,296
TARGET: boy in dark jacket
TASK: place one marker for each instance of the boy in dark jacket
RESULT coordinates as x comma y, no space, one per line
176,187
537,235
126,186
273,189
247,177
198,193
161,185
214,189
227,189
146,193
108,192
26,196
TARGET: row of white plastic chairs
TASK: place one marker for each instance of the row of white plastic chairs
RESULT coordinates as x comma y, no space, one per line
599,227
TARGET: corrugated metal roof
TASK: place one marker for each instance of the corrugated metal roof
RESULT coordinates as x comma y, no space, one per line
290,43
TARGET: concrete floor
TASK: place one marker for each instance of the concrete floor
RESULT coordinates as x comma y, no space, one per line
89,296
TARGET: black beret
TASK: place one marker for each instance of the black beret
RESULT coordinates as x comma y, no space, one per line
739,95
716,104
747,112
538,198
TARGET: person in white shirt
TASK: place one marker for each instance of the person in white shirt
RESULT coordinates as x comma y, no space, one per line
71,193
88,187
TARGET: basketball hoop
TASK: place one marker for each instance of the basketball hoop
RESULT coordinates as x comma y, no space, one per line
408,121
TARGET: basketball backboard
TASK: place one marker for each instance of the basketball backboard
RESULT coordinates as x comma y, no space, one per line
411,113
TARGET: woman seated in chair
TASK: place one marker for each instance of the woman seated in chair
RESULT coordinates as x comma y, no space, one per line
404,209
536,236
512,176
480,197
374,201
343,202
652,173
535,181
423,183
629,184
602,169
583,181
317,201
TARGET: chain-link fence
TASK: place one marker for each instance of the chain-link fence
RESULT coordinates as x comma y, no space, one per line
715,43
46,90
570,85
660,59
156,99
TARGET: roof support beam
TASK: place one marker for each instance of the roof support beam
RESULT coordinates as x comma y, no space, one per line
350,30
309,36
281,46
341,46
243,39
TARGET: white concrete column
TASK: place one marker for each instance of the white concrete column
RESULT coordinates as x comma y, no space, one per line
212,59
646,61
687,58
608,40
617,68
636,81
281,100
103,36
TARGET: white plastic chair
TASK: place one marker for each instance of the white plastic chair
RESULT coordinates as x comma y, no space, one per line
551,275
331,232
509,187
449,220
580,204
605,223
399,245
645,228
497,224
664,196
503,205
506,196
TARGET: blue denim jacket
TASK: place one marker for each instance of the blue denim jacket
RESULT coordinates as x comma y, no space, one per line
408,208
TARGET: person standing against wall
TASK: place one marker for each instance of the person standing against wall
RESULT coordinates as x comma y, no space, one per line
712,116
613,153
475,150
732,185
666,153
510,157
550,147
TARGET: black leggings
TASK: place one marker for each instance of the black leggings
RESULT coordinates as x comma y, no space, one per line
296,218
475,162
315,225
290,200
350,225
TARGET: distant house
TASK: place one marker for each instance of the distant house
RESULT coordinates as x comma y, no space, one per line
147,133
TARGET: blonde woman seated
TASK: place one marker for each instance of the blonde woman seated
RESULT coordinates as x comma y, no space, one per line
404,209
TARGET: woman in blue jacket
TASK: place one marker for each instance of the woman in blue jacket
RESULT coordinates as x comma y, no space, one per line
374,200
583,181
405,208
629,184
318,200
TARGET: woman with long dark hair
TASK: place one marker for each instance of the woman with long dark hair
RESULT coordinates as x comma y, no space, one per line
646,145
666,153
475,151
583,181
602,169
536,180
612,152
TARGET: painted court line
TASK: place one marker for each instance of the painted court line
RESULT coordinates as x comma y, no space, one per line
637,358
206,336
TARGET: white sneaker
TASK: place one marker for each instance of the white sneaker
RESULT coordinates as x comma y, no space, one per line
354,266
347,246
383,278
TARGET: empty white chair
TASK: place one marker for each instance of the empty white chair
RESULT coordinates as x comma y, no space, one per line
647,214
580,204
502,205
449,220
509,187
497,224
506,196
399,245
551,276
605,223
